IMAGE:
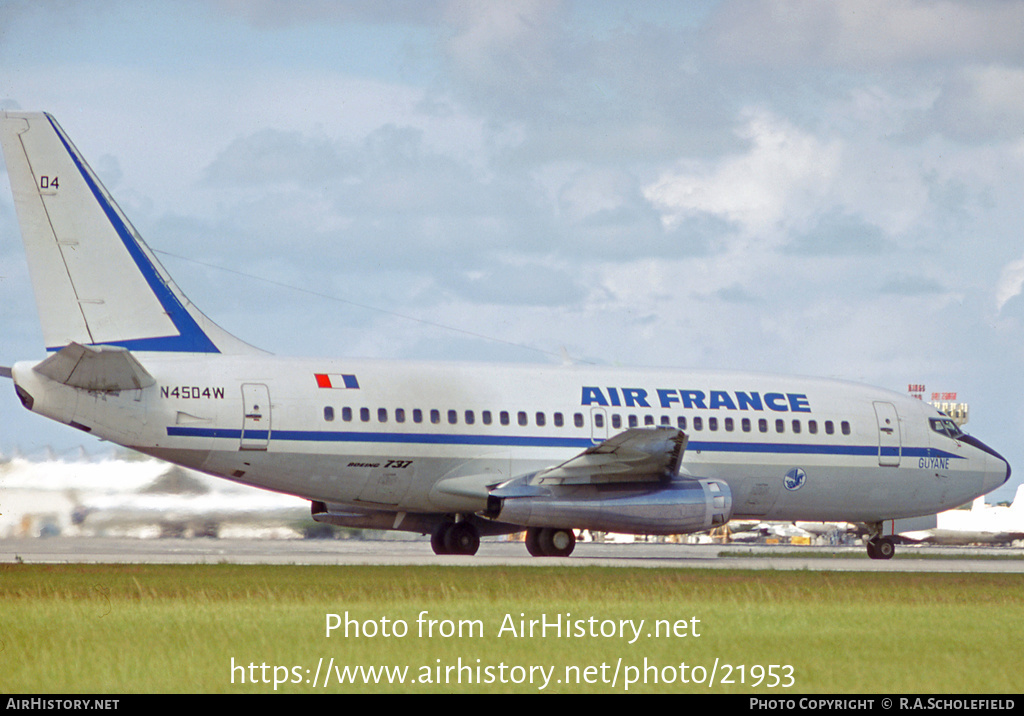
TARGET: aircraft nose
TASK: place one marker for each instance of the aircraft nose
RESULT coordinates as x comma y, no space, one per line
997,471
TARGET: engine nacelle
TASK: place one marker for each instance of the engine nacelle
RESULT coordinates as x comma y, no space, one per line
676,508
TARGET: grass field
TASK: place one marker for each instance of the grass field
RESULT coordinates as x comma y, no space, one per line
235,628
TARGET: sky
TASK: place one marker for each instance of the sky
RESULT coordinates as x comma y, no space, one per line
827,189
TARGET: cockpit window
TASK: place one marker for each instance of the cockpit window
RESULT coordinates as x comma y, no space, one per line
947,427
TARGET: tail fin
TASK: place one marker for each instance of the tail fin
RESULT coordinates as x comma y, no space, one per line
95,280
1018,500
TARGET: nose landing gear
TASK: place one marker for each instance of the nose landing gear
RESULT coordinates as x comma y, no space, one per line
881,547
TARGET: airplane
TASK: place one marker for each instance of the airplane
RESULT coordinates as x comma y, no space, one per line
981,524
453,450
139,497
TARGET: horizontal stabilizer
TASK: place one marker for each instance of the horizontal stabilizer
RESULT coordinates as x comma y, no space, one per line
5,372
636,455
103,368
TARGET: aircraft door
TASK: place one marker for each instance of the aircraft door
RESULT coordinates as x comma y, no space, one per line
889,440
256,416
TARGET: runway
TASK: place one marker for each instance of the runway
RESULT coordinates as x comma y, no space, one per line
71,550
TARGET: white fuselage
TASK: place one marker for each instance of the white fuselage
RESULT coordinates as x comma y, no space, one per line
381,434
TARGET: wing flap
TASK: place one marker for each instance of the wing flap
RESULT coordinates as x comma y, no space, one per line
102,368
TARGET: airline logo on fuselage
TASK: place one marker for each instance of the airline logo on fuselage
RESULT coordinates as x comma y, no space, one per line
695,399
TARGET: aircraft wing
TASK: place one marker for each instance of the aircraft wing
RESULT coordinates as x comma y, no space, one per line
636,455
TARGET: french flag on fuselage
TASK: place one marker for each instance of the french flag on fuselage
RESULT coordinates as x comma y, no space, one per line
336,380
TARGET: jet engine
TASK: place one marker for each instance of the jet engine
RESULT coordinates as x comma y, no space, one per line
677,507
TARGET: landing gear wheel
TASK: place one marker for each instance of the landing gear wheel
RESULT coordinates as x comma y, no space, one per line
881,548
462,538
558,542
533,541
437,538
886,548
550,541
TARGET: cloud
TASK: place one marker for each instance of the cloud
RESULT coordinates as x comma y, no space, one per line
979,104
520,283
277,156
869,34
1011,284
779,180
273,13
507,48
912,285
631,91
838,232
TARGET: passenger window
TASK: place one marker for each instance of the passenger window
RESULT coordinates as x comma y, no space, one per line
486,415
780,426
382,415
541,420
633,422
845,427
559,420
762,425
417,415
470,417
796,426
522,418
830,428
504,417
745,425
666,421
364,414
681,422
577,420
598,420
329,414
453,417
712,423
435,416
617,421
812,427
698,423
346,414
729,425
648,420
399,415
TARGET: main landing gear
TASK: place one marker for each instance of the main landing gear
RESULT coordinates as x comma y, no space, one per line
881,547
550,541
464,538
455,538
